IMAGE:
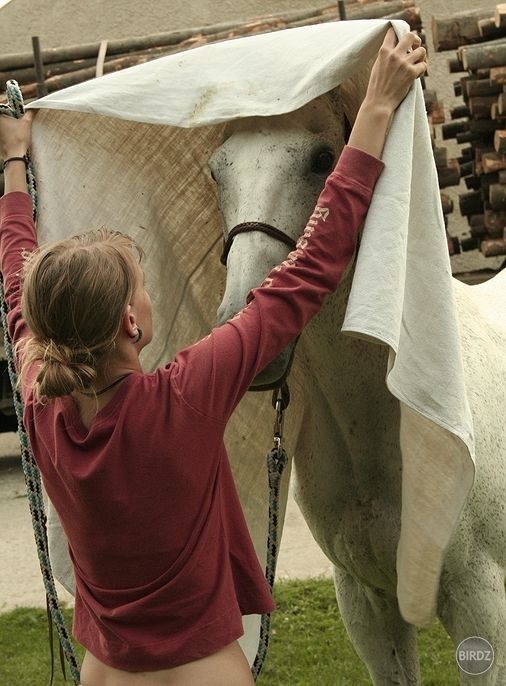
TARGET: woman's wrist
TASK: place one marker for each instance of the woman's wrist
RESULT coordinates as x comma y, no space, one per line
15,175
15,151
371,127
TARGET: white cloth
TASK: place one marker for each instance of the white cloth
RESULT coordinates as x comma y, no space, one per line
101,158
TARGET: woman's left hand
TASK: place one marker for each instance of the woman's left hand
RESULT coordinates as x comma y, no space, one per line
15,135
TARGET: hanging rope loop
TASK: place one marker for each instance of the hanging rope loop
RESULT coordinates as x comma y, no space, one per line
276,460
15,108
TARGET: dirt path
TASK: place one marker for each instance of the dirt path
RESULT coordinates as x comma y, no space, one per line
20,578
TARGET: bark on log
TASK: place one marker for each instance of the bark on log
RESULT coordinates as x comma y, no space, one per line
479,151
453,243
500,141
498,75
479,106
500,14
494,222
459,111
470,243
475,277
495,247
483,126
472,182
482,87
486,180
466,169
431,100
441,156
471,130
411,15
501,103
449,175
437,116
475,137
461,29
484,56
492,161
488,30
451,129
446,203
497,197
455,65
27,74
470,203
477,225
467,153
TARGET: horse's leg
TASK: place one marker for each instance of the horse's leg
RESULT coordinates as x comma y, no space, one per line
383,640
472,602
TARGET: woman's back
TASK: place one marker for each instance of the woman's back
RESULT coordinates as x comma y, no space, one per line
161,552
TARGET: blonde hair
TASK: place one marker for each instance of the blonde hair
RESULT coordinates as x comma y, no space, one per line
75,293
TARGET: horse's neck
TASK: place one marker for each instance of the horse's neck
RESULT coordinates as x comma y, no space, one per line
335,355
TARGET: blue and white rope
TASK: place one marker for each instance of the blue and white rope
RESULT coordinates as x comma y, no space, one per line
15,108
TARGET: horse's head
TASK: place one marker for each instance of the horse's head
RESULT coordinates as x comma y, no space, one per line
270,170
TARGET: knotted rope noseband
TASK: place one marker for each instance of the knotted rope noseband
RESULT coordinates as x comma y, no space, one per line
248,227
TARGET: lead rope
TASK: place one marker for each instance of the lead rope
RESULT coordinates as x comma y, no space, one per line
15,108
276,462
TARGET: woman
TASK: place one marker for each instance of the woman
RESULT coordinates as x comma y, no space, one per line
134,462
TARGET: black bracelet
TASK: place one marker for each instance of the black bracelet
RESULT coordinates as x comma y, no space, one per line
13,159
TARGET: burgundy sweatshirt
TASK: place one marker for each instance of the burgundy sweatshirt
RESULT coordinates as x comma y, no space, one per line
163,560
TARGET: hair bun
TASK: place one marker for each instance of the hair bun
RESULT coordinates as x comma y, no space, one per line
62,370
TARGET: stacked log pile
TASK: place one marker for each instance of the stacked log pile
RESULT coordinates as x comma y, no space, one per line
63,67
478,124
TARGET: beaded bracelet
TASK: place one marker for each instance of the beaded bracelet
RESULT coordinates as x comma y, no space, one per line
12,159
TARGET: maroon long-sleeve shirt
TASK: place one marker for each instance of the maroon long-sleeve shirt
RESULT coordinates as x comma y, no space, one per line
163,560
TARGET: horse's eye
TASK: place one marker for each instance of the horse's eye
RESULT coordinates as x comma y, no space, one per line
322,161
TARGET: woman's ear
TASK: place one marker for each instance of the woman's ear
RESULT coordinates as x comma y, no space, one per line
129,322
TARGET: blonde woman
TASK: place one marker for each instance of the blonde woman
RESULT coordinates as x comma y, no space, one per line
134,462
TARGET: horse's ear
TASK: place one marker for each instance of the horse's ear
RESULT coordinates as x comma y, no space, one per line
353,90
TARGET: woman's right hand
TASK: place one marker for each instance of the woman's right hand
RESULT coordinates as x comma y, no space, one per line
397,65
15,135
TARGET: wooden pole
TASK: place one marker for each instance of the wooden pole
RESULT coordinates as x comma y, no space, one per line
358,10
39,67
460,29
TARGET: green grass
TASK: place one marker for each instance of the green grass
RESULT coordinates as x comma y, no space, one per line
308,647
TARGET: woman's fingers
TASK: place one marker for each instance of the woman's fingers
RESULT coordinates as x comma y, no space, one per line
15,134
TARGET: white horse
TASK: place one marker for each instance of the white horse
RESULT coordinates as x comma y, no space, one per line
347,457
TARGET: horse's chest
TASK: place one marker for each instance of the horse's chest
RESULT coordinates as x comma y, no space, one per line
347,462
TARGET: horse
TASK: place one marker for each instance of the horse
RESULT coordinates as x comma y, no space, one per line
347,456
